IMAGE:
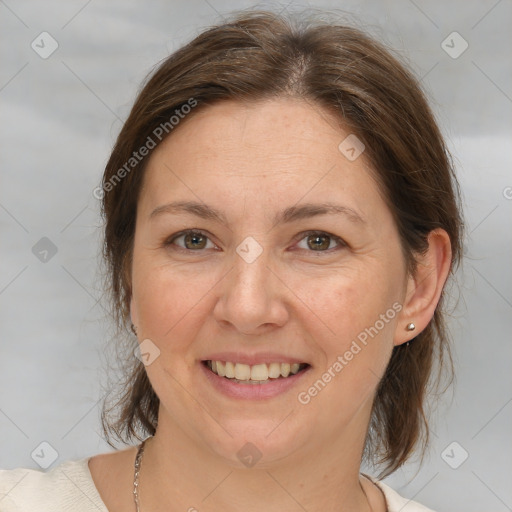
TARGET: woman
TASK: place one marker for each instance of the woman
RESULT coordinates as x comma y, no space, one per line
281,219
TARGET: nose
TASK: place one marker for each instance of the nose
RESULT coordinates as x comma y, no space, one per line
252,298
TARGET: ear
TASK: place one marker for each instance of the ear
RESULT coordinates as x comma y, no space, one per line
424,289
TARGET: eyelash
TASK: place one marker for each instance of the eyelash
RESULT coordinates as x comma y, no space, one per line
169,241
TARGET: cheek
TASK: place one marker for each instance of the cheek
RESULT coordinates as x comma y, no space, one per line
167,299
359,313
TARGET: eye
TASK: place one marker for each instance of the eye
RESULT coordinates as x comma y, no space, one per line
320,241
194,240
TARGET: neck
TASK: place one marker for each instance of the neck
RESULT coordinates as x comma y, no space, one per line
180,473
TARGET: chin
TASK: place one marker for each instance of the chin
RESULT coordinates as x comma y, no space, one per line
259,444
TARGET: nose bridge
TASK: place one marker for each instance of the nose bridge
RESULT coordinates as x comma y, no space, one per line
249,297
250,280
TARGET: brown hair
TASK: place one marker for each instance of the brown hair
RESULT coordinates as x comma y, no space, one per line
261,55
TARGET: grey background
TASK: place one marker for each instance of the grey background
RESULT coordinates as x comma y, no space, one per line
60,116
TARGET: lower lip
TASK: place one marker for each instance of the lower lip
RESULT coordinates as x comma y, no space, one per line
269,389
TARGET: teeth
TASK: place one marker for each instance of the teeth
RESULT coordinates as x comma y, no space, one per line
274,370
219,368
230,370
256,373
242,371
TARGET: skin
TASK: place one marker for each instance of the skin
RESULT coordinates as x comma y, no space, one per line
251,161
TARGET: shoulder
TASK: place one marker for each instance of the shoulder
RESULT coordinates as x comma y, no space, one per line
68,486
397,503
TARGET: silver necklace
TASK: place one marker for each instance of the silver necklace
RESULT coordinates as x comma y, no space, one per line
138,461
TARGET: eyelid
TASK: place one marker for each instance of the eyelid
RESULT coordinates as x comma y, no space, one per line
297,238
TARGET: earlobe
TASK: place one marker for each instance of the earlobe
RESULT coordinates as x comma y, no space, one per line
425,287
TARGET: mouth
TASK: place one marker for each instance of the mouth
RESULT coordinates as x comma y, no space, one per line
258,374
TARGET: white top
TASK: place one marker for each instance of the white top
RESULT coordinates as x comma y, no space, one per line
70,486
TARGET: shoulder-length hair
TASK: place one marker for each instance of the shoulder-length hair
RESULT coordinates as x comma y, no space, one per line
261,55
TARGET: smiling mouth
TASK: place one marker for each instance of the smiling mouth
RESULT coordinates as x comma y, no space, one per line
255,374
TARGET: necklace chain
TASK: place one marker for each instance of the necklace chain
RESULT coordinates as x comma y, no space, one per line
138,462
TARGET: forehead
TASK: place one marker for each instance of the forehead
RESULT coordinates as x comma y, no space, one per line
268,152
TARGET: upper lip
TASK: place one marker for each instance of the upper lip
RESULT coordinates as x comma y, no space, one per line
252,359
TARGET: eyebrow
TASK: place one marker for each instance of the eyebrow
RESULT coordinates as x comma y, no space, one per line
288,215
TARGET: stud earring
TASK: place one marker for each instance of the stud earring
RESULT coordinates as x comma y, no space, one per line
409,327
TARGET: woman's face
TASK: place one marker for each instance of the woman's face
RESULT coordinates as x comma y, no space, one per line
256,287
